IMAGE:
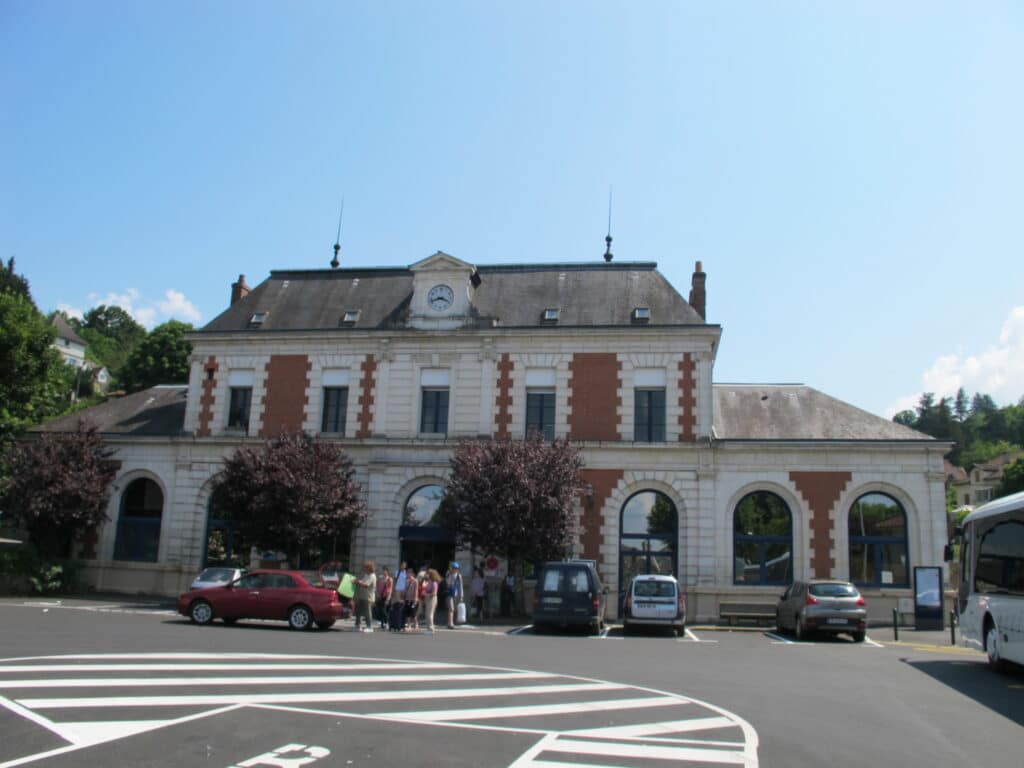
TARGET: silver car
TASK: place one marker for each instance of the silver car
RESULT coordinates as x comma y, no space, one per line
822,605
216,577
654,600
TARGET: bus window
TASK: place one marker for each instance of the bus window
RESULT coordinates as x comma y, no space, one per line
1001,559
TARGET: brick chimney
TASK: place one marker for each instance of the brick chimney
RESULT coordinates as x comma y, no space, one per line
240,290
698,299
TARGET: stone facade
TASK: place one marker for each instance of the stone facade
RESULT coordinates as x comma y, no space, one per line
594,369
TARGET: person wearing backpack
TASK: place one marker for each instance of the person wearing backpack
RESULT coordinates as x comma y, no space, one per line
455,593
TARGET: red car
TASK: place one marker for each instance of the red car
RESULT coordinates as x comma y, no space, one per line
293,596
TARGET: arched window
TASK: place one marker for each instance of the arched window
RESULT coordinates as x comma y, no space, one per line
424,541
422,505
138,525
762,540
648,536
878,542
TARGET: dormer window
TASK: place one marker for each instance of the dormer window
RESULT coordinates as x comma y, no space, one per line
551,315
257,319
350,317
641,315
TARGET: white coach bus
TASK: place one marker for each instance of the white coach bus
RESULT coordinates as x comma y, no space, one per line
990,598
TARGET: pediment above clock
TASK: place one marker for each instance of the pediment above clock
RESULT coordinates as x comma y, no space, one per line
442,262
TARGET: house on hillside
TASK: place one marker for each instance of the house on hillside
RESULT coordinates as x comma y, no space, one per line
981,483
68,343
755,484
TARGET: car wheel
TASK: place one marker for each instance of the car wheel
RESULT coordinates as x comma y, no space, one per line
300,617
325,624
798,627
229,620
201,612
858,637
995,660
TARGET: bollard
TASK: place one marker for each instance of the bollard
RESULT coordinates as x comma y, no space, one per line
895,625
952,627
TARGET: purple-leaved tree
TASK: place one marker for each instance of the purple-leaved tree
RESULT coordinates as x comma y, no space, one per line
57,486
514,497
293,493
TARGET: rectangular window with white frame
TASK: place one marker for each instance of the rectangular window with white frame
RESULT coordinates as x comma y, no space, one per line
335,402
649,405
434,386
540,402
240,385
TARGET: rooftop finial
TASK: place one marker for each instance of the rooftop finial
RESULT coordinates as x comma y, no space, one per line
335,262
608,237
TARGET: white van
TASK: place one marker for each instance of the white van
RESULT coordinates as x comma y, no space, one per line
654,600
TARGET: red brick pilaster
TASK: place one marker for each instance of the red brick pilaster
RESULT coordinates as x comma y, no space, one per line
206,399
594,381
285,398
366,396
503,400
602,484
687,399
821,491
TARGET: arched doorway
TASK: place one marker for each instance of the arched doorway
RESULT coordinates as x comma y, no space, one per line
138,524
648,534
424,543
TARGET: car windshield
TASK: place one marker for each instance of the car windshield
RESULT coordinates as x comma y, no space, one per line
833,590
217,574
654,589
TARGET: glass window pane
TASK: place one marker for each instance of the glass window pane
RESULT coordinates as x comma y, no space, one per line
762,514
747,562
862,566
778,561
423,505
876,514
650,513
662,564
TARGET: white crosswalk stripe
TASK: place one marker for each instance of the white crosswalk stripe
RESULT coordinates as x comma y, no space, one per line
580,721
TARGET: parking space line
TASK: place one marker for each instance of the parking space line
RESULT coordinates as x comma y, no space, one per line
871,642
779,639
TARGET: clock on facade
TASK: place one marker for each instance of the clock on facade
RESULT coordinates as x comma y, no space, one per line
440,298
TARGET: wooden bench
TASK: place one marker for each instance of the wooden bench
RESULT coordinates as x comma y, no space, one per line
733,612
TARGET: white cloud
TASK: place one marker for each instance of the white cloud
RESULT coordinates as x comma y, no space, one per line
148,312
70,311
178,307
998,371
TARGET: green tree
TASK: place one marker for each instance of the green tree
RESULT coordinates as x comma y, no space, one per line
35,383
961,406
57,487
13,283
111,334
292,493
981,452
161,358
1013,478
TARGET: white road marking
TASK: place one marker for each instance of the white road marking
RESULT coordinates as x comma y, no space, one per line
871,642
657,729
286,698
531,710
669,739
219,667
779,639
157,682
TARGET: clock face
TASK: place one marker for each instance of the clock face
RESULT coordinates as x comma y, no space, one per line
440,298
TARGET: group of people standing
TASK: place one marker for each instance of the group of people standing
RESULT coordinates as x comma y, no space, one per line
397,602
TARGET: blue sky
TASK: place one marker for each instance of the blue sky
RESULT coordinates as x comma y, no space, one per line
850,174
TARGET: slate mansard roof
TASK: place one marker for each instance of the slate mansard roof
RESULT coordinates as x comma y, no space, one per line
507,296
154,412
797,412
